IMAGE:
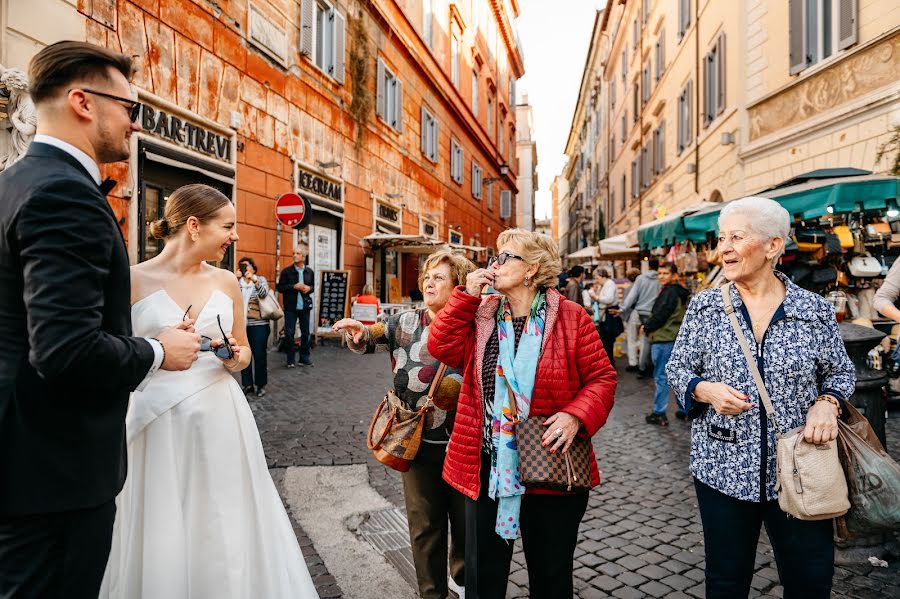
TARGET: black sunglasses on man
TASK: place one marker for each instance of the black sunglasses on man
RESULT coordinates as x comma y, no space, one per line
133,108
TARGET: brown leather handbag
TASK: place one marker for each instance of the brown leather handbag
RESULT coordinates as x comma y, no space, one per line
398,429
540,469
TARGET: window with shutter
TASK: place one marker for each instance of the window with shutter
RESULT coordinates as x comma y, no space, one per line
847,30
490,116
428,22
635,33
624,191
429,135
645,10
720,74
796,36
635,178
477,185
624,64
660,54
512,91
505,204
339,37
490,196
475,93
380,97
454,59
645,82
612,93
307,27
635,101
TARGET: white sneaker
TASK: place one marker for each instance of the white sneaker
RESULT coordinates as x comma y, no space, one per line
451,584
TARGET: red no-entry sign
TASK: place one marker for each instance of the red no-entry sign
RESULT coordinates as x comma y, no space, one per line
292,210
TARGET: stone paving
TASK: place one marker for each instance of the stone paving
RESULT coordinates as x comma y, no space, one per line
641,536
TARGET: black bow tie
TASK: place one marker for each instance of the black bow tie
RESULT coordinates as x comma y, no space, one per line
107,185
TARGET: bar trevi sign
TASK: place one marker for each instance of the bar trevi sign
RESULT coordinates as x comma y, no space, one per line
161,124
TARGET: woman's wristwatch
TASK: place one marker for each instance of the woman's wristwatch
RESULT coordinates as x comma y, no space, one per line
833,401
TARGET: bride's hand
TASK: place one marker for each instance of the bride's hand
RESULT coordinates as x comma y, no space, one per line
235,362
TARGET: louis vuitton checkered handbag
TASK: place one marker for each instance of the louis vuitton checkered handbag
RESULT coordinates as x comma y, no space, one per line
540,469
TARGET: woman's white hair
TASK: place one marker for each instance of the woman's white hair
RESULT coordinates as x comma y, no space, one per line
766,218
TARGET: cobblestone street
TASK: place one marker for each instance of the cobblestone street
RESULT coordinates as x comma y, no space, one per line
641,536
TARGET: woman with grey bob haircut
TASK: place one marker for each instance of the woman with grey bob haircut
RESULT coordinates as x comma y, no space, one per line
794,336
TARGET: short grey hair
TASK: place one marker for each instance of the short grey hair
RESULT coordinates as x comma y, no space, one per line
766,218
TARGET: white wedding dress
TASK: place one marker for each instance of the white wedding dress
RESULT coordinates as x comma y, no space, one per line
199,517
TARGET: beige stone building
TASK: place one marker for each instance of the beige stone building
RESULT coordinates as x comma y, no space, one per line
699,100
527,160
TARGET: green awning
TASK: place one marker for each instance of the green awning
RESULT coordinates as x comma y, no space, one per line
699,224
666,232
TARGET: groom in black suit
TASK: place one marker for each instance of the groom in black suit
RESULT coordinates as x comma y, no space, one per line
67,358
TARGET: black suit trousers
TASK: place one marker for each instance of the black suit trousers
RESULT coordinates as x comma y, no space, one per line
56,555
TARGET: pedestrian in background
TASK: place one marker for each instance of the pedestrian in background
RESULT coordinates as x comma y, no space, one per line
430,501
368,297
253,288
662,329
574,291
545,349
632,324
604,295
794,335
640,300
296,284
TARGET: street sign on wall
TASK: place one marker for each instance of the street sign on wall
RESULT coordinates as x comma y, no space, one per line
292,210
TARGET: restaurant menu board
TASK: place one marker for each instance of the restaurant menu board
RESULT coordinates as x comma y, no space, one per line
334,295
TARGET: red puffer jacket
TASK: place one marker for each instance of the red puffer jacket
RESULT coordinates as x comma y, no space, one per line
574,375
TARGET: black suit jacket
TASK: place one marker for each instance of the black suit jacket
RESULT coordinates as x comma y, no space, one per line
290,277
67,358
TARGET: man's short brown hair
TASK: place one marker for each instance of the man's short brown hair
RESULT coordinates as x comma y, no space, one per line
60,64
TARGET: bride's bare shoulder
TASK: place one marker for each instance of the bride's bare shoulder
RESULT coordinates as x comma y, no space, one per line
144,281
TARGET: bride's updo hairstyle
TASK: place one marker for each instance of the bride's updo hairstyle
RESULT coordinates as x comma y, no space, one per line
197,200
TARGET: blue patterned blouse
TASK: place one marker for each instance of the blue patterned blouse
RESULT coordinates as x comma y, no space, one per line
802,356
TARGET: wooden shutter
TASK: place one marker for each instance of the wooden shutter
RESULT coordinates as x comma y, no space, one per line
796,36
661,150
690,114
307,14
505,204
380,103
848,16
340,28
474,176
662,52
398,105
424,131
720,76
435,139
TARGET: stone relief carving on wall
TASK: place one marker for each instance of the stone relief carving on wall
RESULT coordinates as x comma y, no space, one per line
849,79
17,128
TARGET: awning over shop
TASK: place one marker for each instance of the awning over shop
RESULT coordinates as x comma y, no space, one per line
467,248
668,230
589,252
412,244
618,247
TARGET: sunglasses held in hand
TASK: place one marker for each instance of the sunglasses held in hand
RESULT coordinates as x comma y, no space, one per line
222,349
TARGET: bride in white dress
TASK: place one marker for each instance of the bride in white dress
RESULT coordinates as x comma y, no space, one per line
199,516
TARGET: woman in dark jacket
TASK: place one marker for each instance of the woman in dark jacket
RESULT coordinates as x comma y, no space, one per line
547,350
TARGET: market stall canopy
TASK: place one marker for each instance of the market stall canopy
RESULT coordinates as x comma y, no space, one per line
668,230
822,173
588,252
467,248
619,247
412,244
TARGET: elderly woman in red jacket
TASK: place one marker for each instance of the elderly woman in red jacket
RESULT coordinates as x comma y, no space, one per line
546,349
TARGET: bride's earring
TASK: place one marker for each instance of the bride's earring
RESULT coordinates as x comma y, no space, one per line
526,281
195,236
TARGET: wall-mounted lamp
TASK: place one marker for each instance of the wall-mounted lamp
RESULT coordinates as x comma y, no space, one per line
691,167
329,164
727,138
504,170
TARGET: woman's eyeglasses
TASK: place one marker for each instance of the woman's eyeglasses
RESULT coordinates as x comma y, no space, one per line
503,258
222,351
133,108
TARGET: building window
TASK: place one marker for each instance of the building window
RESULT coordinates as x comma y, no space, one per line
817,28
612,93
429,135
389,97
428,22
624,64
625,129
684,18
456,161
490,196
659,149
322,37
501,138
612,147
645,167
685,117
714,81
645,11
635,101
505,203
454,59
512,91
624,194
475,93
645,83
635,177
490,116
635,33
476,181
660,55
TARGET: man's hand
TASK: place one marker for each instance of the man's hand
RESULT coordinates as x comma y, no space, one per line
180,345
302,288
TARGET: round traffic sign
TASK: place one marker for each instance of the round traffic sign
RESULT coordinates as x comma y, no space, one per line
292,210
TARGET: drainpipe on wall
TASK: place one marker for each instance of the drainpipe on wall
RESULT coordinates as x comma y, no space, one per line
697,102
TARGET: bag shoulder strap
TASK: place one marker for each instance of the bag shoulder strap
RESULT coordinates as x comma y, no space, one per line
436,382
751,361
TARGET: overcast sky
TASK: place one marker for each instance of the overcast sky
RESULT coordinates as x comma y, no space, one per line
555,39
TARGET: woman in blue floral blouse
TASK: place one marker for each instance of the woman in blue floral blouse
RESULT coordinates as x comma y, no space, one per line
794,335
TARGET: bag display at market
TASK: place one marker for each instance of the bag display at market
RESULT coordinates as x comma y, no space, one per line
811,483
686,258
873,478
395,433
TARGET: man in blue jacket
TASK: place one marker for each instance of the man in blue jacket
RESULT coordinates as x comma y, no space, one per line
297,283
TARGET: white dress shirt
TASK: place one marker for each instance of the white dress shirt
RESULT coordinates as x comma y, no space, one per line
91,167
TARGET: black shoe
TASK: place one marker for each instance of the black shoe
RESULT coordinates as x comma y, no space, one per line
248,389
658,419
631,369
260,392
680,415
306,361
644,374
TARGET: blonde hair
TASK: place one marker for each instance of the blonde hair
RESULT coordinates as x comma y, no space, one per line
460,266
367,289
538,249
197,200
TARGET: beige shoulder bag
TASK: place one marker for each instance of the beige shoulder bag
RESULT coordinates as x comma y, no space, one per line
811,483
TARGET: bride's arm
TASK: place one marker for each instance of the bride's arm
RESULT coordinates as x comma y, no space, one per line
238,332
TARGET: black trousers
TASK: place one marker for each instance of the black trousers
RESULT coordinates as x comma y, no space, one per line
60,555
804,550
549,525
430,505
291,320
257,372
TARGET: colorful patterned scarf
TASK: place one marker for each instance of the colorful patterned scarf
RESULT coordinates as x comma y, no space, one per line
516,368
